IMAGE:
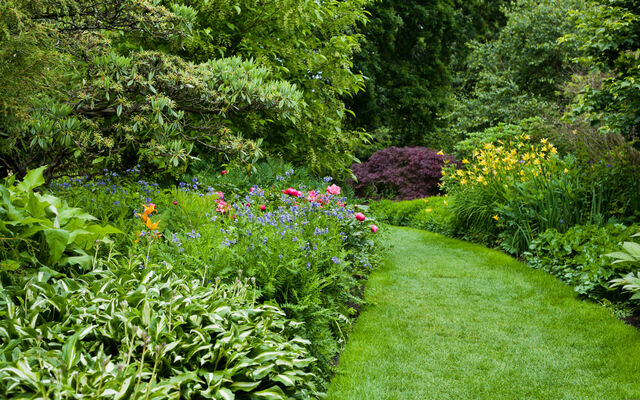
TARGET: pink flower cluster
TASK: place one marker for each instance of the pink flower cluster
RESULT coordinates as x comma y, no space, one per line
333,189
292,192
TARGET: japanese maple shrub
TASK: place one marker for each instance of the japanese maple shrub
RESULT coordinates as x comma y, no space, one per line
402,173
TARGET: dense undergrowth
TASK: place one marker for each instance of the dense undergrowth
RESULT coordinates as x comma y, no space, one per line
129,288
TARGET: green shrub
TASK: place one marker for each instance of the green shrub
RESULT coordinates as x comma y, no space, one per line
577,256
39,229
122,332
431,214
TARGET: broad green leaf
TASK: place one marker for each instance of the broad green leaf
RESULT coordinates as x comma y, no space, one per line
57,240
244,386
273,393
632,248
226,394
32,180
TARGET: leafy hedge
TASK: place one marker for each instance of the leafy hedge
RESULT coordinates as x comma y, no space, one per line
432,214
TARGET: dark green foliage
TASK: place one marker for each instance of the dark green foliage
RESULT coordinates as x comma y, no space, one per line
517,75
140,89
124,333
577,256
608,32
405,58
39,229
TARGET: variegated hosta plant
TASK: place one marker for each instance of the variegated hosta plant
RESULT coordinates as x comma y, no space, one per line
127,332
630,254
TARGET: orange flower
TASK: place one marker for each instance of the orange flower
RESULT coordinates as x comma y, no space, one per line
143,216
152,226
149,208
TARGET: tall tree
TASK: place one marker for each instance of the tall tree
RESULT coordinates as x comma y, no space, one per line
518,74
609,34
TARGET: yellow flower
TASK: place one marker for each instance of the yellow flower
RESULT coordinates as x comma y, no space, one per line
429,210
553,150
566,171
495,217
465,161
440,153
543,141
445,203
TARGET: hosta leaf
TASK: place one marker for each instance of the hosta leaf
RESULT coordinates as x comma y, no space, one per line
226,394
632,248
284,379
244,386
70,354
620,256
261,372
268,356
273,393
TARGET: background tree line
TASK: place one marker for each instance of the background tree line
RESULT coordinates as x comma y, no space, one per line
87,85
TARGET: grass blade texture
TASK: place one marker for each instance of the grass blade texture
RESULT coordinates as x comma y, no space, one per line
453,320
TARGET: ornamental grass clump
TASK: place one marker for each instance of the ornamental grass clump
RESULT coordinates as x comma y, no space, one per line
401,173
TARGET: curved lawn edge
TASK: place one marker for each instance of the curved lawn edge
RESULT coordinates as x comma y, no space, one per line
449,319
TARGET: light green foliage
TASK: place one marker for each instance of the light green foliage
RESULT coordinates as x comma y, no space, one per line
120,104
453,320
39,229
608,34
306,42
535,127
577,256
516,75
518,187
433,214
125,333
630,255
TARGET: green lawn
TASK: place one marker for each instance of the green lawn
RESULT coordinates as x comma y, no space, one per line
453,320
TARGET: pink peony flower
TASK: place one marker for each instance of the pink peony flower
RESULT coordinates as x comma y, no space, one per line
311,196
223,172
333,189
222,206
360,216
220,195
374,228
263,207
292,192
175,203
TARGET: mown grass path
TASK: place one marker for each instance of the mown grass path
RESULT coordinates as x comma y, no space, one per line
453,320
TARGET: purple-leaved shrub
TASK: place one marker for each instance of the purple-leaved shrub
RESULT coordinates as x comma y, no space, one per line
401,173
